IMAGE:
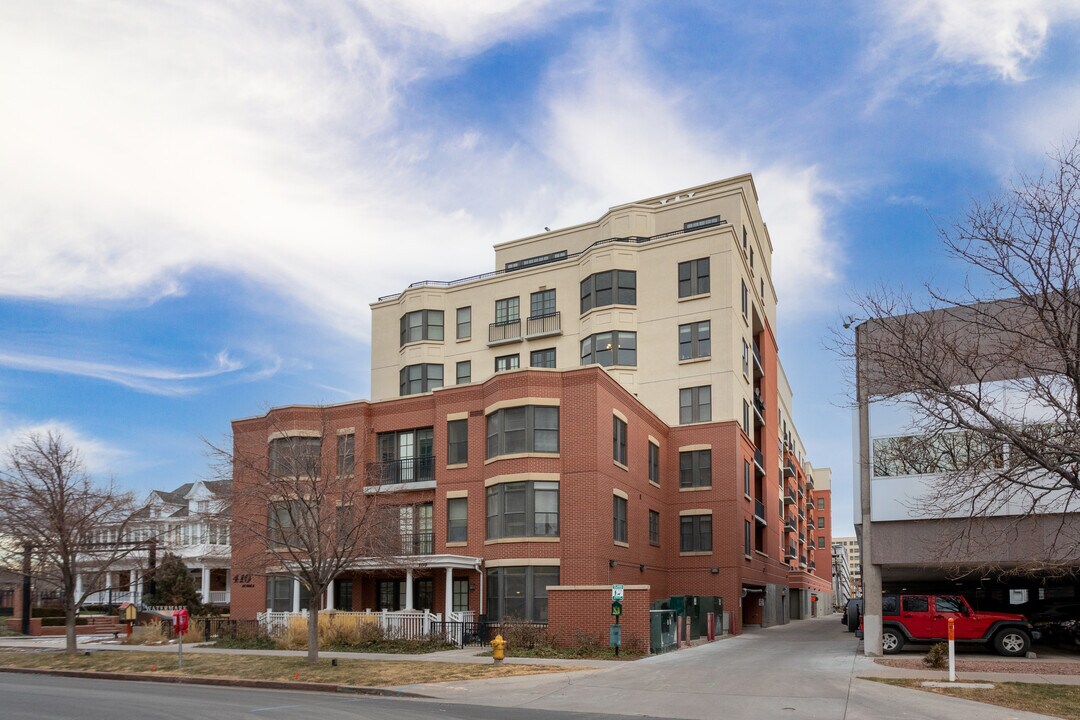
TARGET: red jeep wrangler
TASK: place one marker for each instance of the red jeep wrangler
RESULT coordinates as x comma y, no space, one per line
925,619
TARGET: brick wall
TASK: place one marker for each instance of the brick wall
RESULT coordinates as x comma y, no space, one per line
578,612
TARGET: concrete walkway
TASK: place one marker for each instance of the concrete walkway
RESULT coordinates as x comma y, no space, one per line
807,669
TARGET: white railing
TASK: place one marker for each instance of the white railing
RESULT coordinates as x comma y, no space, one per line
401,624
114,597
218,597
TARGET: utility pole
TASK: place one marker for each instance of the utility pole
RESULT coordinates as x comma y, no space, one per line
871,573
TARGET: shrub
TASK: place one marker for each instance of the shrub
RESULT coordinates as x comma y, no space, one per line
153,632
525,636
938,657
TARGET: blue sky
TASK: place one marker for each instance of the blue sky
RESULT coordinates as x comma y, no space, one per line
198,201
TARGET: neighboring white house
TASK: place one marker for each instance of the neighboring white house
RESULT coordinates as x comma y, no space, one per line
185,522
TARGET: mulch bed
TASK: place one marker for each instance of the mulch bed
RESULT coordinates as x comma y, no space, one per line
1031,667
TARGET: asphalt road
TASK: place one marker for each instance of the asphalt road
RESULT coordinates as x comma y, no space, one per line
37,697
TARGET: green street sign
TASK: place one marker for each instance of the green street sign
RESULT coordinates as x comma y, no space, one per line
616,608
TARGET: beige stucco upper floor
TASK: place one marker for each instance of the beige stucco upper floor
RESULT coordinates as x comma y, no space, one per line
719,221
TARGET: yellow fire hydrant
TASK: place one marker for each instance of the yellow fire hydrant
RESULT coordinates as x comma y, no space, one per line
498,649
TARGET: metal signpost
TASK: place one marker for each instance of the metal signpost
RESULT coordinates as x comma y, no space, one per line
180,625
615,633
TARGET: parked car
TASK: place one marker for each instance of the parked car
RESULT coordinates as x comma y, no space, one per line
1059,623
924,618
852,613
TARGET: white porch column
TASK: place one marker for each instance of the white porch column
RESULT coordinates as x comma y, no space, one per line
408,589
205,584
448,594
296,595
78,586
139,586
330,596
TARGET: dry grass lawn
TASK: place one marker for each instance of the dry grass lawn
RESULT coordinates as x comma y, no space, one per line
371,673
1059,700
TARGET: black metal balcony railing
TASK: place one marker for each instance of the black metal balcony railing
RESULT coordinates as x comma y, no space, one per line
759,367
420,542
759,511
503,332
759,410
759,461
813,565
802,538
790,526
802,515
789,498
810,481
802,561
405,470
789,469
792,553
541,325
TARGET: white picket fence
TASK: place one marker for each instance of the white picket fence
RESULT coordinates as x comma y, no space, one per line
401,624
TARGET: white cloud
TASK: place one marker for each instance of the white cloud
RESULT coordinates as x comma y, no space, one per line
936,41
98,456
147,378
620,134
142,142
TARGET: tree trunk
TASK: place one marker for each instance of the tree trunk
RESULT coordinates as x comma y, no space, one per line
70,645
313,630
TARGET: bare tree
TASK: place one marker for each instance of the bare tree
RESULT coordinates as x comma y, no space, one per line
991,376
49,501
300,502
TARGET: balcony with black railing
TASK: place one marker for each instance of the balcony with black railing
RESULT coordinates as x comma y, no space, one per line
792,553
759,410
543,325
789,525
507,331
789,469
759,462
789,497
759,512
417,542
759,368
404,470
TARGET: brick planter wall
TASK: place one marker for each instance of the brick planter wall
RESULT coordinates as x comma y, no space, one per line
585,610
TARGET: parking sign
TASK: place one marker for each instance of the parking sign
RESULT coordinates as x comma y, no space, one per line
616,593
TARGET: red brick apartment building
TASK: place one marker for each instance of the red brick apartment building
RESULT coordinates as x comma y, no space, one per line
634,426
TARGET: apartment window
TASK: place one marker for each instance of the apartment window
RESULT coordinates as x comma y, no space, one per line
420,378
618,439
744,238
285,523
762,288
695,404
519,593
542,358
346,454
695,533
529,428
695,468
654,527
461,594
279,594
457,440
751,258
507,362
507,310
746,477
457,519
608,288
821,503
464,322
295,456
821,543
610,348
745,358
746,417
745,300
694,340
821,523
654,463
464,372
406,456
619,518
542,303
694,277
523,509
421,325
746,538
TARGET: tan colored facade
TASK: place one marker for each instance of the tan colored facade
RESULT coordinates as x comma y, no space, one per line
650,238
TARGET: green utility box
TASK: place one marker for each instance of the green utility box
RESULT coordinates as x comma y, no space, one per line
662,631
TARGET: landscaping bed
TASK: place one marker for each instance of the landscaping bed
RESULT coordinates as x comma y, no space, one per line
1058,700
368,673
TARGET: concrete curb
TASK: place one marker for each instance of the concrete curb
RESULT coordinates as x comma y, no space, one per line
221,682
